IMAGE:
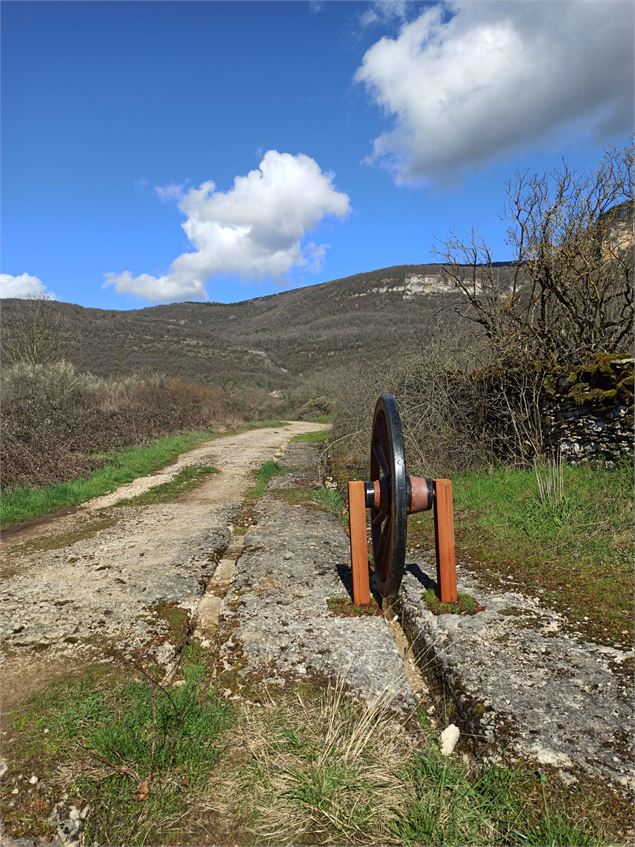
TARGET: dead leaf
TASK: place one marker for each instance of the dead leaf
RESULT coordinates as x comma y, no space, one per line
142,791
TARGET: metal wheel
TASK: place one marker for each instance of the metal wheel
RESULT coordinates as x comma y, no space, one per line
389,514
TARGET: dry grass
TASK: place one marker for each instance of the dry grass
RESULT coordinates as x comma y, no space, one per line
319,769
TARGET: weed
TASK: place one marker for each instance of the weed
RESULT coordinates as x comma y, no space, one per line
312,437
136,751
330,499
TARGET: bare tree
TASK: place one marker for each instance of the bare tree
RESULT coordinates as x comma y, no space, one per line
33,333
569,289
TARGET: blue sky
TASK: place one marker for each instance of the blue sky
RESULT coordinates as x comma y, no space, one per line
367,130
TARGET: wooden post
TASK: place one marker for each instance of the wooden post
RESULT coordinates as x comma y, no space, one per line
444,541
359,544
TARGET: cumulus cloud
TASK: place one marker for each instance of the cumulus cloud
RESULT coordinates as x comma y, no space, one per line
254,229
468,80
25,287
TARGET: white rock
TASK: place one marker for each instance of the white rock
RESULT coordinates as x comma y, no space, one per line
449,738
74,813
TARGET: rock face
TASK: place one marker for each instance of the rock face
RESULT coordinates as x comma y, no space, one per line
523,684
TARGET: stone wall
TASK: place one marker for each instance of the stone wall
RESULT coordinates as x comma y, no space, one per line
588,412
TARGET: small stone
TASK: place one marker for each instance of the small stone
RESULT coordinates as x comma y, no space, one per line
74,813
34,780
15,791
449,739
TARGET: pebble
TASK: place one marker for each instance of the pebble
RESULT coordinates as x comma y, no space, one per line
449,739
34,780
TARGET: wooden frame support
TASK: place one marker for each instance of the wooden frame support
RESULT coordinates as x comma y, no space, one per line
359,543
444,541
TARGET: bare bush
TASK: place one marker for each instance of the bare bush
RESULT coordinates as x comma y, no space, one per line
55,419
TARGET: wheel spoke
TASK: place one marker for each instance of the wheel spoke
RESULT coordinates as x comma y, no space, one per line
385,535
378,518
378,450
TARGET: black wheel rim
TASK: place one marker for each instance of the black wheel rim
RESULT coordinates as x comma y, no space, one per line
389,521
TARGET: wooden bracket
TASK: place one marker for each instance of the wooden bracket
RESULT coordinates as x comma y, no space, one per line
444,541
359,543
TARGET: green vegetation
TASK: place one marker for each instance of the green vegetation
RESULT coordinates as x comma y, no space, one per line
465,605
272,423
344,608
327,499
264,473
120,466
496,806
137,751
319,437
161,765
311,766
186,480
574,550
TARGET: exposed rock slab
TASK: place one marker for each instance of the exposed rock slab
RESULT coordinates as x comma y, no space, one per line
521,682
292,563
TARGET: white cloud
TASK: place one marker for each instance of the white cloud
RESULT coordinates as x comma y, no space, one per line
385,11
170,193
254,229
468,80
25,287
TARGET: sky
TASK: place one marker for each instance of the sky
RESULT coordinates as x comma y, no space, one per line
166,151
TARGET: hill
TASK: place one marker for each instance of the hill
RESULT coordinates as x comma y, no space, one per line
271,342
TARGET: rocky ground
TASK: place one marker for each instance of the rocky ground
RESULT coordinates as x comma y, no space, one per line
265,590
101,579
521,683
294,565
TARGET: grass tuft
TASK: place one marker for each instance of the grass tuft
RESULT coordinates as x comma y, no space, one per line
135,752
465,605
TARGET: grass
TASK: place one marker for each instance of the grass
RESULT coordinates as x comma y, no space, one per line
133,751
186,480
304,764
319,437
574,551
344,608
465,605
326,499
263,474
311,766
120,467
272,423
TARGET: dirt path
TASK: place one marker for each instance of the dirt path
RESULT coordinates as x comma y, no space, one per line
108,575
